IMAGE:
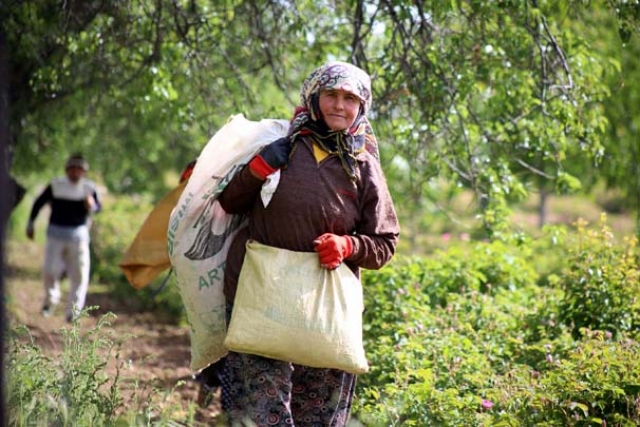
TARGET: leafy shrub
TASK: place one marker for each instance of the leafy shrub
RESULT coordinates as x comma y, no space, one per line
601,282
415,282
447,349
596,383
548,253
431,332
437,366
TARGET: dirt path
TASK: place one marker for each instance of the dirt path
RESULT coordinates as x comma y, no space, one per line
157,353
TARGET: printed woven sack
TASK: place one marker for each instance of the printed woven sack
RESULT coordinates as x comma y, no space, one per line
200,231
288,308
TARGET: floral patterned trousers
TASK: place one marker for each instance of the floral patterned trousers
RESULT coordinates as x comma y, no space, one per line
267,392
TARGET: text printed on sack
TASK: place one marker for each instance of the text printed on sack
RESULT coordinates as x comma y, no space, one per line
220,182
213,276
175,220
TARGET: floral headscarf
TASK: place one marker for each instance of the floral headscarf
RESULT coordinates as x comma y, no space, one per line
307,119
336,75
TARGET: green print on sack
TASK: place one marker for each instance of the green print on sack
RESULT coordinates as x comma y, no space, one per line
212,277
223,181
173,226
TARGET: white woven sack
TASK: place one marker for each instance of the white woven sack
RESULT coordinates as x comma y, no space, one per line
288,308
200,232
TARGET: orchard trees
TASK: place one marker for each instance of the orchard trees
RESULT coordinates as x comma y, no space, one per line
501,97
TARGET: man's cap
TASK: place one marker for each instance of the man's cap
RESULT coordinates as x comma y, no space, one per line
77,160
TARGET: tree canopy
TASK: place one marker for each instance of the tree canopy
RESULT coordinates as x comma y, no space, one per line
500,97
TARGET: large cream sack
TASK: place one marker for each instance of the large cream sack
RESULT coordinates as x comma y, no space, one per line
288,308
200,232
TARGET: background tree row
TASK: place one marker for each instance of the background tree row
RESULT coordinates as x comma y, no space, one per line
504,98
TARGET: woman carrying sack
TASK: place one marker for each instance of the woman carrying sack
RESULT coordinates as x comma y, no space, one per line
331,201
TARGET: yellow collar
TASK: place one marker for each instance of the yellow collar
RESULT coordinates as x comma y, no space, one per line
319,153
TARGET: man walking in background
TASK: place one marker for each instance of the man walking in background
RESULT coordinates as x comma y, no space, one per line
72,199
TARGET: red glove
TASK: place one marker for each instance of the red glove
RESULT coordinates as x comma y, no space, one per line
332,249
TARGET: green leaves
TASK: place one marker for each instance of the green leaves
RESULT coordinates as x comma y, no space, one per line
499,97
477,338
602,283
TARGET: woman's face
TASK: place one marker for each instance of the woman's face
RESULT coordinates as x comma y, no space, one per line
339,108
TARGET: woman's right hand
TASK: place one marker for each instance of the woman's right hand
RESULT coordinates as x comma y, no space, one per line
272,157
332,249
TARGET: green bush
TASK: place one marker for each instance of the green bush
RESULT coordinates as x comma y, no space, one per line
474,339
434,337
596,383
601,282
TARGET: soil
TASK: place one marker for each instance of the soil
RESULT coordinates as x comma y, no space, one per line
156,372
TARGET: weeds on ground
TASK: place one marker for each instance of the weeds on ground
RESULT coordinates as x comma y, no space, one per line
74,389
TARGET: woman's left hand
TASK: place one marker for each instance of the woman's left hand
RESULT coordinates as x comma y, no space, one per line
332,249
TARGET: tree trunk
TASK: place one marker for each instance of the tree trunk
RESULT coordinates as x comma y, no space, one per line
543,207
5,207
